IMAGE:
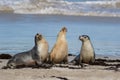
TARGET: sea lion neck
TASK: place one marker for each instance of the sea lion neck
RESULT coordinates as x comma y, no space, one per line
87,45
88,42
62,37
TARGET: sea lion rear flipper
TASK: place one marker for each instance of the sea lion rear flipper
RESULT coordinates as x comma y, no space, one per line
5,67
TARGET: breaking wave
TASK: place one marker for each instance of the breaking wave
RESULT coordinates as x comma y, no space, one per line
84,8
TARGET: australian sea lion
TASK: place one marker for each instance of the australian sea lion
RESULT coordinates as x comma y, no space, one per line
87,53
59,52
37,55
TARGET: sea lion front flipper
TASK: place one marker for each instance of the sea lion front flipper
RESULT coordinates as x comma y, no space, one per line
80,62
65,61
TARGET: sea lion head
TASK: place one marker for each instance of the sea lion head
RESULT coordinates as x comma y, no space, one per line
84,37
62,31
38,38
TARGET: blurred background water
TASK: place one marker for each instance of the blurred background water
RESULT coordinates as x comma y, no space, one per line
17,32
63,7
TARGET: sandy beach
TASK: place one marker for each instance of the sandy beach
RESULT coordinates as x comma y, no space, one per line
90,72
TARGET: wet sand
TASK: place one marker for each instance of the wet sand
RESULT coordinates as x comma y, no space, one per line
90,72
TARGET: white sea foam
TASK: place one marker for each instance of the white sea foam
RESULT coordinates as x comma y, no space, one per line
94,8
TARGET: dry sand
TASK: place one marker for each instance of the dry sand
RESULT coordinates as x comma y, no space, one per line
90,72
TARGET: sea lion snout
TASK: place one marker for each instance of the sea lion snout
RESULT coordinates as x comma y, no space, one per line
80,37
38,36
84,37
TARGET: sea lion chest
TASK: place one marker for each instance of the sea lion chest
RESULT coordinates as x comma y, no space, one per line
87,52
42,51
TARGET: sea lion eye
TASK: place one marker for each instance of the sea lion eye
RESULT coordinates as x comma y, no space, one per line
37,34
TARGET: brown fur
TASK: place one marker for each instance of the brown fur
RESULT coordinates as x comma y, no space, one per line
59,52
42,49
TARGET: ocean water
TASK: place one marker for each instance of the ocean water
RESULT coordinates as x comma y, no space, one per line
20,20
63,7
17,32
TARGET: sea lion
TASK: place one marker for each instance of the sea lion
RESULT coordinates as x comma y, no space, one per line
87,53
37,55
59,53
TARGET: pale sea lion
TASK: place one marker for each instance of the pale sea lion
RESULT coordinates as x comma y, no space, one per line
59,53
37,55
87,53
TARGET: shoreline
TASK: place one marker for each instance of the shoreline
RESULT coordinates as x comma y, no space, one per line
113,57
89,72
79,15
